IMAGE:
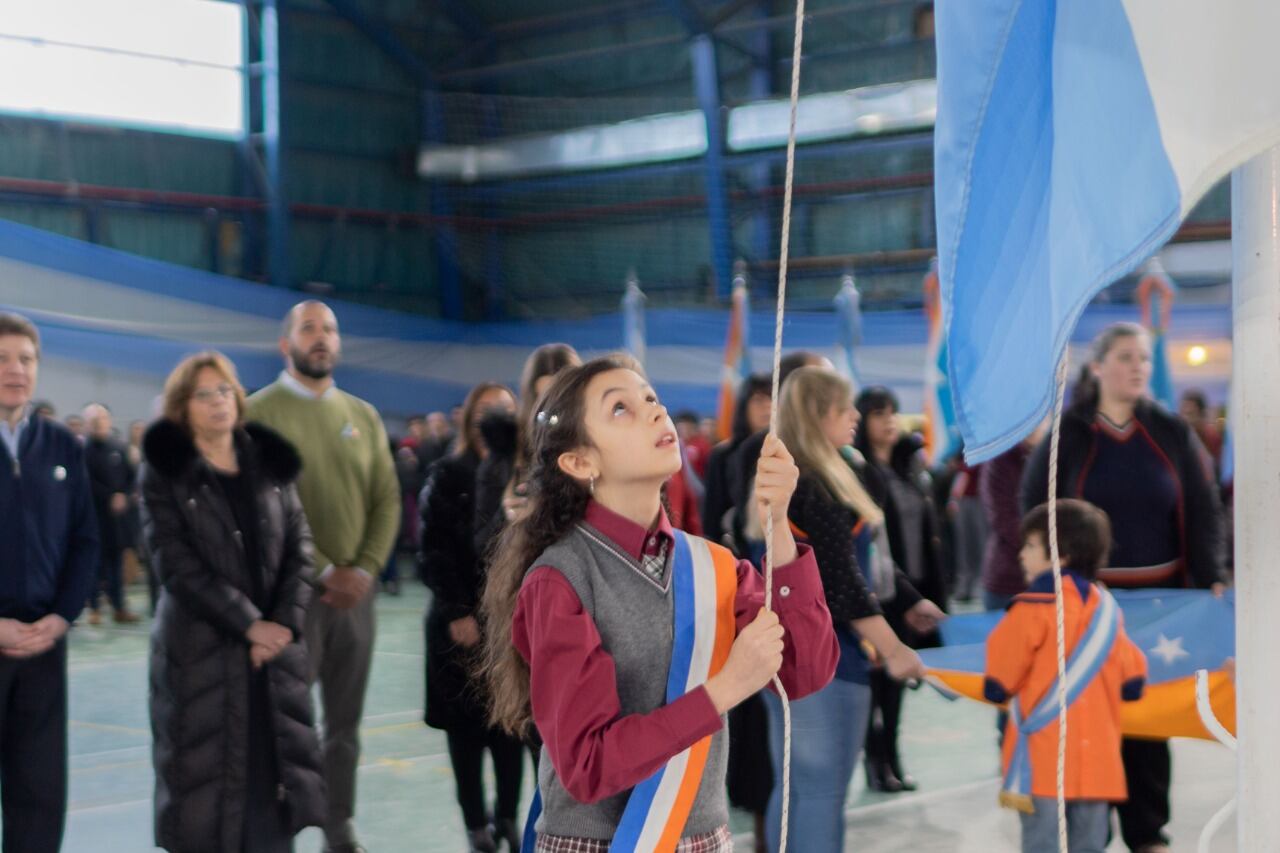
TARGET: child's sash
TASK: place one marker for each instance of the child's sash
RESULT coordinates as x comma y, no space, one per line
704,587
1084,664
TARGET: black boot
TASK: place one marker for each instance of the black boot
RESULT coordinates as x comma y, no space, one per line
876,758
506,830
880,777
906,780
481,841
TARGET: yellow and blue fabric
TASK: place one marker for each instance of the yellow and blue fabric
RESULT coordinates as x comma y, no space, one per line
1179,631
704,586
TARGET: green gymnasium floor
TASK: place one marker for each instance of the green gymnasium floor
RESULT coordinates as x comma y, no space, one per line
406,800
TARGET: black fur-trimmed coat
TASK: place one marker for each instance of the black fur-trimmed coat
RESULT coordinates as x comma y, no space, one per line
200,669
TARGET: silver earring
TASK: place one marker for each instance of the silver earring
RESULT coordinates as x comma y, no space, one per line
591,485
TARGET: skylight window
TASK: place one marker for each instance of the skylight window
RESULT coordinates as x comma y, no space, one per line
173,65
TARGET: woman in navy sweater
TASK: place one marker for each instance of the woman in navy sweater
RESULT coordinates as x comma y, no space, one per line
1147,470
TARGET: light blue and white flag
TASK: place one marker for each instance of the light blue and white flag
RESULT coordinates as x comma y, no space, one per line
848,304
941,433
1072,138
1228,475
1155,298
633,319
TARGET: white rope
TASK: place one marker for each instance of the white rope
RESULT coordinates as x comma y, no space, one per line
1204,707
1219,820
1058,606
1224,737
773,417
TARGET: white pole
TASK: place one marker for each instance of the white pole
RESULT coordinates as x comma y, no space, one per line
1255,390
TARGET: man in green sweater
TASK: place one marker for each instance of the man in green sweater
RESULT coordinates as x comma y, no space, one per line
352,500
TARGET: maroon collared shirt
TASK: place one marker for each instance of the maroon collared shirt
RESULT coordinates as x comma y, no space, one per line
595,750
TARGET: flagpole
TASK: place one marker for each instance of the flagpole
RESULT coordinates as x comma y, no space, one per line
1255,388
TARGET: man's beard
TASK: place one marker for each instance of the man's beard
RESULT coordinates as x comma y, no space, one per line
302,364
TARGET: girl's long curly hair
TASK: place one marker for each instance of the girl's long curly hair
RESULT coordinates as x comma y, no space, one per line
556,503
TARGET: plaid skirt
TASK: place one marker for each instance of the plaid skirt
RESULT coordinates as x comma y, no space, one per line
719,841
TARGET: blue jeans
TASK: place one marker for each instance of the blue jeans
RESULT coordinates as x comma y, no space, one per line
1088,825
827,729
391,571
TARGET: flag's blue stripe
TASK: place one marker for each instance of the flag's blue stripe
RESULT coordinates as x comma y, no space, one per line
685,636
637,811
686,619
529,841
1015,778
849,329
946,430
1105,620
1161,374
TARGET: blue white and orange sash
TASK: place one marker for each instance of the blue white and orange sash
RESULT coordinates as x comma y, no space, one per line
1084,664
704,588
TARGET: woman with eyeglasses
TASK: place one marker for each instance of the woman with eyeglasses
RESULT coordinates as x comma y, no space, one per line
237,759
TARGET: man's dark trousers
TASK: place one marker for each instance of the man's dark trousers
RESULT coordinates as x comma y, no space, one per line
33,750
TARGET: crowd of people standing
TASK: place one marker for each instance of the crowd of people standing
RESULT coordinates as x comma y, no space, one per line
267,522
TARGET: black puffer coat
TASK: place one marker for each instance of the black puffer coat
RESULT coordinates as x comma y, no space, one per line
200,669
451,569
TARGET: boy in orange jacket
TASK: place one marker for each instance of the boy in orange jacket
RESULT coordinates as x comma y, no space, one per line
1104,668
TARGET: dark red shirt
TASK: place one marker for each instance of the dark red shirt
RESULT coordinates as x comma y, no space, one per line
698,452
596,751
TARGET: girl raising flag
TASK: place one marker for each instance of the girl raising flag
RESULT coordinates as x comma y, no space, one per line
629,640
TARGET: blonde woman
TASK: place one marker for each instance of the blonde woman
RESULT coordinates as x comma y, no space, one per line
834,514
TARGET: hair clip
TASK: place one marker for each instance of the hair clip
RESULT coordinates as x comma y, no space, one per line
547,419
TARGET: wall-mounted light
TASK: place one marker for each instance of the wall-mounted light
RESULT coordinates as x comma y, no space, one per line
1197,356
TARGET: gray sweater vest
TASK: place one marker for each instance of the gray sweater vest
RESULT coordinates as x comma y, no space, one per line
634,615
